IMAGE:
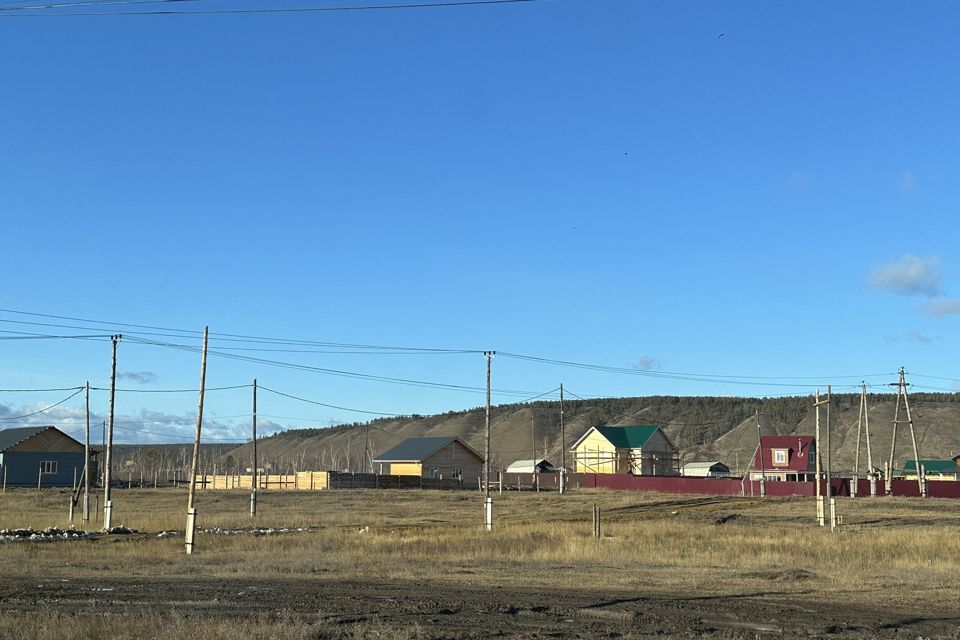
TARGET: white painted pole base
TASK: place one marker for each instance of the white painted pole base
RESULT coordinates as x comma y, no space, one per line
563,481
108,515
763,487
853,486
833,514
821,516
191,529
873,486
253,504
488,514
86,508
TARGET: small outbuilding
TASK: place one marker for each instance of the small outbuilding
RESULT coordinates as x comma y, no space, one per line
642,450
706,470
432,457
935,469
41,456
531,466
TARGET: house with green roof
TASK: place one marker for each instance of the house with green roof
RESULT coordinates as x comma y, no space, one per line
935,469
642,450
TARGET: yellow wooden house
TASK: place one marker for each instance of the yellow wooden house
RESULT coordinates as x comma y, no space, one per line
643,450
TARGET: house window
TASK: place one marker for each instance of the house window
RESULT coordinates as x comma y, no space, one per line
779,456
435,472
457,473
49,466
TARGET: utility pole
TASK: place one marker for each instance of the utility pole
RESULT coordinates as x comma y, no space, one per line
487,500
86,460
253,471
832,500
818,493
901,386
107,502
563,447
863,423
191,511
366,447
763,473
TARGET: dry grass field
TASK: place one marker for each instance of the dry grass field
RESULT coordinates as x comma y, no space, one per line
414,564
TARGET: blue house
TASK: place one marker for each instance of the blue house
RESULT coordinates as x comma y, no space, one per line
44,455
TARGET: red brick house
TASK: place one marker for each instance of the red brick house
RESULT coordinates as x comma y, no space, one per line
790,458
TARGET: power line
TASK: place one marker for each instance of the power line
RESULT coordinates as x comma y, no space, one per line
236,386
44,409
39,390
51,9
323,404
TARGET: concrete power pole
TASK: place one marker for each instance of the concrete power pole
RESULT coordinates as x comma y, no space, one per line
191,511
763,473
86,460
253,471
107,502
901,386
819,494
832,501
487,500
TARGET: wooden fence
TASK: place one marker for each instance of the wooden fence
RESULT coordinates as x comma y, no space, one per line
321,480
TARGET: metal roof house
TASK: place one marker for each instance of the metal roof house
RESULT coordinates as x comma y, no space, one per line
531,466
934,469
637,449
433,457
789,458
40,456
713,469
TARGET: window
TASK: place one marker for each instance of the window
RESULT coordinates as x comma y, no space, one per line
779,456
457,473
435,472
49,466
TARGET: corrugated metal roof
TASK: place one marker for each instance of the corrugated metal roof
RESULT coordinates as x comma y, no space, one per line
529,466
799,457
10,437
933,466
416,449
702,465
629,436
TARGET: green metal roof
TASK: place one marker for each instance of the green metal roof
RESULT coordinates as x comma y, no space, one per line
933,466
628,437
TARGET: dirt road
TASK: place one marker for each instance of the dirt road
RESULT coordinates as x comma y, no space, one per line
335,608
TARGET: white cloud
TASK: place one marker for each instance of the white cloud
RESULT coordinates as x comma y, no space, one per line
140,377
942,307
907,181
908,276
646,363
912,336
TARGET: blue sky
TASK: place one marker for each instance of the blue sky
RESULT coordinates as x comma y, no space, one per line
743,189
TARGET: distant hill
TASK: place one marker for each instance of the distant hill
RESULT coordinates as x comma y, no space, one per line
703,428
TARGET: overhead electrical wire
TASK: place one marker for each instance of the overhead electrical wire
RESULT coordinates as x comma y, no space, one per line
9,418
52,9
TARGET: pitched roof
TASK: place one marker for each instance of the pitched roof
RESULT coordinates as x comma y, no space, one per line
10,437
933,466
703,465
417,449
799,448
527,466
629,436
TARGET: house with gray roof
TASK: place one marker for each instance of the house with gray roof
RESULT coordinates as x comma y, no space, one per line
433,457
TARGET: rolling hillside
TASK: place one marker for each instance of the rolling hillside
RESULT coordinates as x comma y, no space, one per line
704,428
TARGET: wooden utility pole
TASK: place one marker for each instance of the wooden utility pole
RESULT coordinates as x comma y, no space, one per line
85,515
487,500
901,386
832,501
191,511
253,471
107,502
863,424
818,493
563,447
763,473
366,448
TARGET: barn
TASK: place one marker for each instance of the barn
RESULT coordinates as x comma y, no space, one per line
44,456
642,450
432,457
531,466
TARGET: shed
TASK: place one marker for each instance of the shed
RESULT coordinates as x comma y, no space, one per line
531,466
44,455
432,457
713,469
935,469
638,449
789,458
